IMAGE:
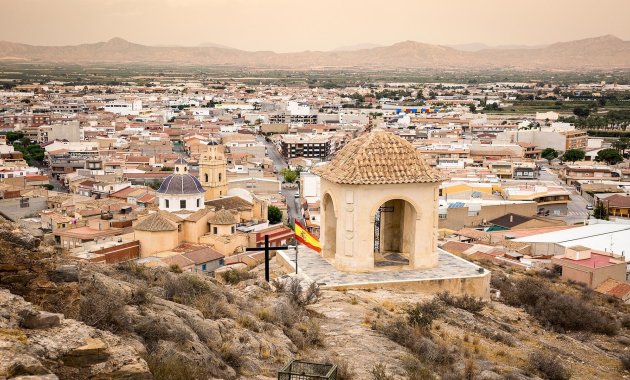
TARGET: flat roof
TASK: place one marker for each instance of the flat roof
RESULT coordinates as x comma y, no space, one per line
604,237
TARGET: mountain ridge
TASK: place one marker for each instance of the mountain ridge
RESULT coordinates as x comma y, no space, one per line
602,52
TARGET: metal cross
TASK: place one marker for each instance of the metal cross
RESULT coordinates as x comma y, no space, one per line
267,249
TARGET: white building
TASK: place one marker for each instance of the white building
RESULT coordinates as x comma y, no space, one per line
181,191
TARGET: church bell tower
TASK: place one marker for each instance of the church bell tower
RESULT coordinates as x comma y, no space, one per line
212,171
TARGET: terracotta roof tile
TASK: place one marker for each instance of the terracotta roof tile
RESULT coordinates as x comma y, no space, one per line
156,222
378,158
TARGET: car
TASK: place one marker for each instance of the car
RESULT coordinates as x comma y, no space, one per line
589,207
296,195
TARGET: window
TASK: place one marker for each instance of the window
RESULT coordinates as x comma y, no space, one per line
198,202
205,176
220,176
166,203
233,229
203,267
182,203
214,230
442,216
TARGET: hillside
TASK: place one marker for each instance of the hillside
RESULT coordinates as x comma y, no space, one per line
130,322
606,52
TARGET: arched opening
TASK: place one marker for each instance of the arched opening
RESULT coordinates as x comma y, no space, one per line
205,177
329,232
394,233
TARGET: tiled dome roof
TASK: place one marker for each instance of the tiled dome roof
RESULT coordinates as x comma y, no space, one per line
156,222
378,157
181,184
224,217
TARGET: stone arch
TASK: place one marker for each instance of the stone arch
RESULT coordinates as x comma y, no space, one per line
329,231
383,200
395,232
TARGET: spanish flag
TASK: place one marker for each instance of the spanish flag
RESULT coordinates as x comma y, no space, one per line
303,236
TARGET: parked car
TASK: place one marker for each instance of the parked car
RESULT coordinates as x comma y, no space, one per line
589,207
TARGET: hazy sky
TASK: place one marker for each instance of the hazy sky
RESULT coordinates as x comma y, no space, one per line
295,25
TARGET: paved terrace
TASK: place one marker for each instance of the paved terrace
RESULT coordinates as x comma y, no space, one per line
317,269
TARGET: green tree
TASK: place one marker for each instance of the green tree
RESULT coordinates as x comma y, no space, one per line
472,108
581,111
601,211
549,154
274,215
289,175
12,136
573,155
610,156
621,145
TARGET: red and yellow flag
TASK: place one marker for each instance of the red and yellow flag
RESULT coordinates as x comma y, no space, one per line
303,236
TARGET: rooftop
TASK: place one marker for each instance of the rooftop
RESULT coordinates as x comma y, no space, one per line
378,157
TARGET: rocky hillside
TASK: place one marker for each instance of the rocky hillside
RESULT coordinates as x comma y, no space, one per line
66,320
606,52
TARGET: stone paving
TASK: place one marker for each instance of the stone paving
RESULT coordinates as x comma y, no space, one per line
316,268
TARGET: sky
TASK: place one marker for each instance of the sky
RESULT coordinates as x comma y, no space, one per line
298,25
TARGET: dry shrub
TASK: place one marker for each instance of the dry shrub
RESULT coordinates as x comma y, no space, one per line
422,315
311,331
464,302
231,355
416,370
625,360
379,372
299,296
133,269
248,322
234,276
344,369
153,332
557,310
548,365
173,367
101,308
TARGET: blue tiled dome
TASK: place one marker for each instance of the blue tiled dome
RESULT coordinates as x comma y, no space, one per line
181,184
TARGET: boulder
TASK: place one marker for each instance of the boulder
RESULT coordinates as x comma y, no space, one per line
92,352
33,319
65,273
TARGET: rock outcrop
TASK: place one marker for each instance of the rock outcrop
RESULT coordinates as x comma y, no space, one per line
48,346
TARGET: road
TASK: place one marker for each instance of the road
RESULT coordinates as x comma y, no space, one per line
576,209
294,208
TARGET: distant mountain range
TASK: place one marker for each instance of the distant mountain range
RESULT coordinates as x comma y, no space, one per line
605,52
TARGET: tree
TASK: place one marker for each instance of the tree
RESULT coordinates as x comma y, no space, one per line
549,154
581,111
621,145
601,211
472,108
289,175
12,136
274,215
573,155
610,156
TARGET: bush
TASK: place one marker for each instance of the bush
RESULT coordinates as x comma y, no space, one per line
464,302
299,296
416,370
548,365
231,355
625,360
421,315
379,372
234,276
173,367
557,310
100,308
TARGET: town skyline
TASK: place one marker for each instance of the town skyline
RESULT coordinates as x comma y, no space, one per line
279,25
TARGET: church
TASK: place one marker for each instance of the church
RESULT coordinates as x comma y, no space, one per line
199,210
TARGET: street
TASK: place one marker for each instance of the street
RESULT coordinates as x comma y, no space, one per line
576,209
293,203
